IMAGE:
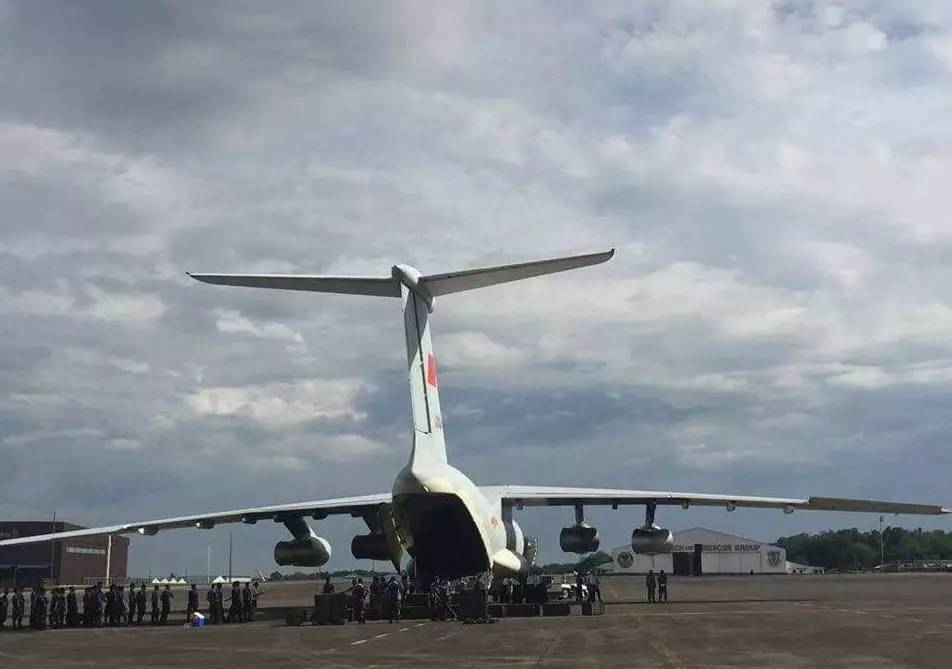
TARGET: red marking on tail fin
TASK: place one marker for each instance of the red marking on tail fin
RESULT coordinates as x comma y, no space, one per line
431,369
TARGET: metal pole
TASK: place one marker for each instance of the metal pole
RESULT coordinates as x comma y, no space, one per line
108,557
208,577
229,554
52,549
882,547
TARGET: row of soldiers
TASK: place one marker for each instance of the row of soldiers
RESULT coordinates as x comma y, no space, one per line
243,602
112,607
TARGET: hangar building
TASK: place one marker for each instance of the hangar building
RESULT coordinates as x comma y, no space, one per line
698,551
70,561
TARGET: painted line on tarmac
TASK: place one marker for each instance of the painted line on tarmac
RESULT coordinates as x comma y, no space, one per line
405,629
380,636
670,659
711,613
419,624
357,643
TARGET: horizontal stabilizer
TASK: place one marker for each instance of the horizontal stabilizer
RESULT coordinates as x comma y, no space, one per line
431,285
455,282
349,285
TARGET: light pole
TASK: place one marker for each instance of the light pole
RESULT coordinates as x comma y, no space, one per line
882,547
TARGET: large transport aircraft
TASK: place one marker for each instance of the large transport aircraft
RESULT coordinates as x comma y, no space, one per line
450,526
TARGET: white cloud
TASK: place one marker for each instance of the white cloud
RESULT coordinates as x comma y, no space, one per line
282,403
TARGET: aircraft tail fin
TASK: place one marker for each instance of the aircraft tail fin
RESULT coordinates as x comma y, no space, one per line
417,292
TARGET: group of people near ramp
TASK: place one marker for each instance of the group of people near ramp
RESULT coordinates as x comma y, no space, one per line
242,604
99,607
388,593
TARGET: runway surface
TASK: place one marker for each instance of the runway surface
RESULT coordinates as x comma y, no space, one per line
803,621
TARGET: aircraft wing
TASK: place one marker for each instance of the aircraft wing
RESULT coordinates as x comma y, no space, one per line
519,496
355,506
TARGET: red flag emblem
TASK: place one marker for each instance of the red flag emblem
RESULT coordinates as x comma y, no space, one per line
431,369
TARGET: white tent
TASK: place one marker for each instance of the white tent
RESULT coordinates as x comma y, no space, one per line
155,581
164,581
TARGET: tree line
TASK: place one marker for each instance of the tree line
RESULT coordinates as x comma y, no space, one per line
852,549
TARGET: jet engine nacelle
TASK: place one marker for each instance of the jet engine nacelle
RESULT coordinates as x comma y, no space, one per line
370,547
579,538
310,552
652,540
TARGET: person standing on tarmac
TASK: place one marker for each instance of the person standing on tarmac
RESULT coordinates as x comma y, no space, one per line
16,609
95,600
167,598
328,588
220,603
72,608
650,583
54,618
131,610
247,608
39,620
120,605
393,599
594,586
4,605
140,604
360,596
192,605
663,587
254,597
234,604
212,600
31,621
155,605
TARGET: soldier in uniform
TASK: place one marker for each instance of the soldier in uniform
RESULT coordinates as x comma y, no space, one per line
234,603
4,605
16,609
120,604
254,597
32,618
393,599
663,587
72,608
96,598
246,605
650,582
131,611
212,600
109,615
167,598
140,604
192,605
360,597
39,619
220,603
53,613
328,588
155,606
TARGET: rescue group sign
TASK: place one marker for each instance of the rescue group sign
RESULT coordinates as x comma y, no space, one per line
718,548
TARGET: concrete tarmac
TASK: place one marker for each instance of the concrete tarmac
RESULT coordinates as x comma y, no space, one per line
865,621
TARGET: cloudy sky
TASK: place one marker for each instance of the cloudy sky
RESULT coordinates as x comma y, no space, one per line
775,177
